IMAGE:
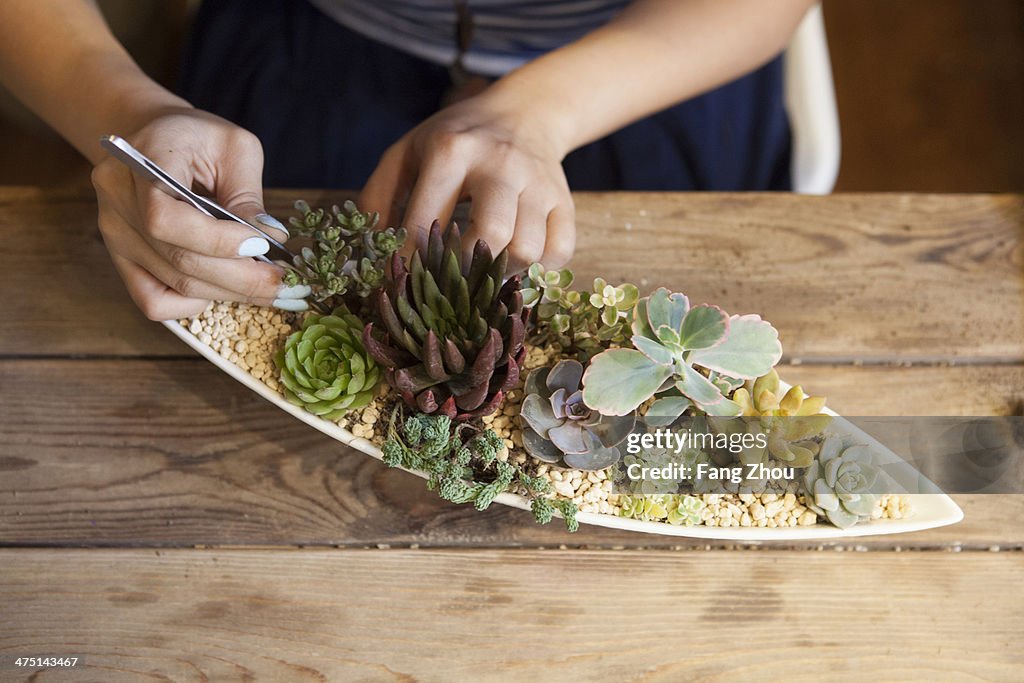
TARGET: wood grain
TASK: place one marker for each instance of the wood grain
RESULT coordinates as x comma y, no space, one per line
847,277
175,453
515,615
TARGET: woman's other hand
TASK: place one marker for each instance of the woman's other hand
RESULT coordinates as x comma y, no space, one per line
483,151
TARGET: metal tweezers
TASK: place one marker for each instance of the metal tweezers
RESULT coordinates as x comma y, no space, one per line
121,150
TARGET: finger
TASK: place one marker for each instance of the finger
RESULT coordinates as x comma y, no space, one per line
173,221
238,183
527,245
433,198
388,184
156,300
170,221
561,238
194,275
244,279
492,215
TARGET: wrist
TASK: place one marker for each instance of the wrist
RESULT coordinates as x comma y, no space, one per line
130,100
530,116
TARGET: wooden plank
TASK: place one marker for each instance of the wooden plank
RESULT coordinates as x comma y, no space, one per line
845,277
146,452
415,615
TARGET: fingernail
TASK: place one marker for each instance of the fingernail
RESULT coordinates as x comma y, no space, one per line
294,292
291,305
269,221
254,246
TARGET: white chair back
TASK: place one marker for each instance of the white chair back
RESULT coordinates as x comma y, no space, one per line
811,103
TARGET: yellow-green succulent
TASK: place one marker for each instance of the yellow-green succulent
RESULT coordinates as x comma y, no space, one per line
325,368
791,420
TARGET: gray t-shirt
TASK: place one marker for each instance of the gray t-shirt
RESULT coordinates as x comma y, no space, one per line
506,33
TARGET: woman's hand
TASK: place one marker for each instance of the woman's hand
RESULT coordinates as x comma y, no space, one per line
172,258
479,150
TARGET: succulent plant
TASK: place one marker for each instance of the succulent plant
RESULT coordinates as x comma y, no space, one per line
454,336
843,483
548,291
685,461
463,465
325,368
582,324
348,252
558,425
613,303
680,510
671,340
790,422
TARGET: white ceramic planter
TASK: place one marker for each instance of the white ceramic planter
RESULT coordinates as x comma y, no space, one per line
929,510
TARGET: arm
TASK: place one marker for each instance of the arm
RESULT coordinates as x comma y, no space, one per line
653,55
504,147
60,59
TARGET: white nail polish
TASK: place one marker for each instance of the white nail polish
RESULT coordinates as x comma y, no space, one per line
269,221
291,305
294,292
254,246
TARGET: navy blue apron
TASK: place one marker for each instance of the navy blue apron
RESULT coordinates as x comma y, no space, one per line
326,102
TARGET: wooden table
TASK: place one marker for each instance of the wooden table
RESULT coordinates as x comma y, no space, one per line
162,522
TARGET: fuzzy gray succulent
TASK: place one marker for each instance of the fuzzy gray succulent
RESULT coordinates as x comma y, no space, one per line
843,483
559,426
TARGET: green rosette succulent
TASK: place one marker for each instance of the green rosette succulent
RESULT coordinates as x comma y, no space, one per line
792,424
325,368
843,483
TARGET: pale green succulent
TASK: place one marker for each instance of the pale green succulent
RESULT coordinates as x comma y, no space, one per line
843,483
679,510
548,290
614,303
672,343
684,510
325,368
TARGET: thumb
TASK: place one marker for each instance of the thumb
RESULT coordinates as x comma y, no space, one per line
240,186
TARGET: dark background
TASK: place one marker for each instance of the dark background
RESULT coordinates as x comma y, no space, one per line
930,94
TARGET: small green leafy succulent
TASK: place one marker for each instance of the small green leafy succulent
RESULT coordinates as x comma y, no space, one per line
558,425
324,367
843,483
581,324
613,303
348,253
671,341
679,510
463,465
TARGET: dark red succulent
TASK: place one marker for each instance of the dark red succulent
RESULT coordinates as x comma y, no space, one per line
453,337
